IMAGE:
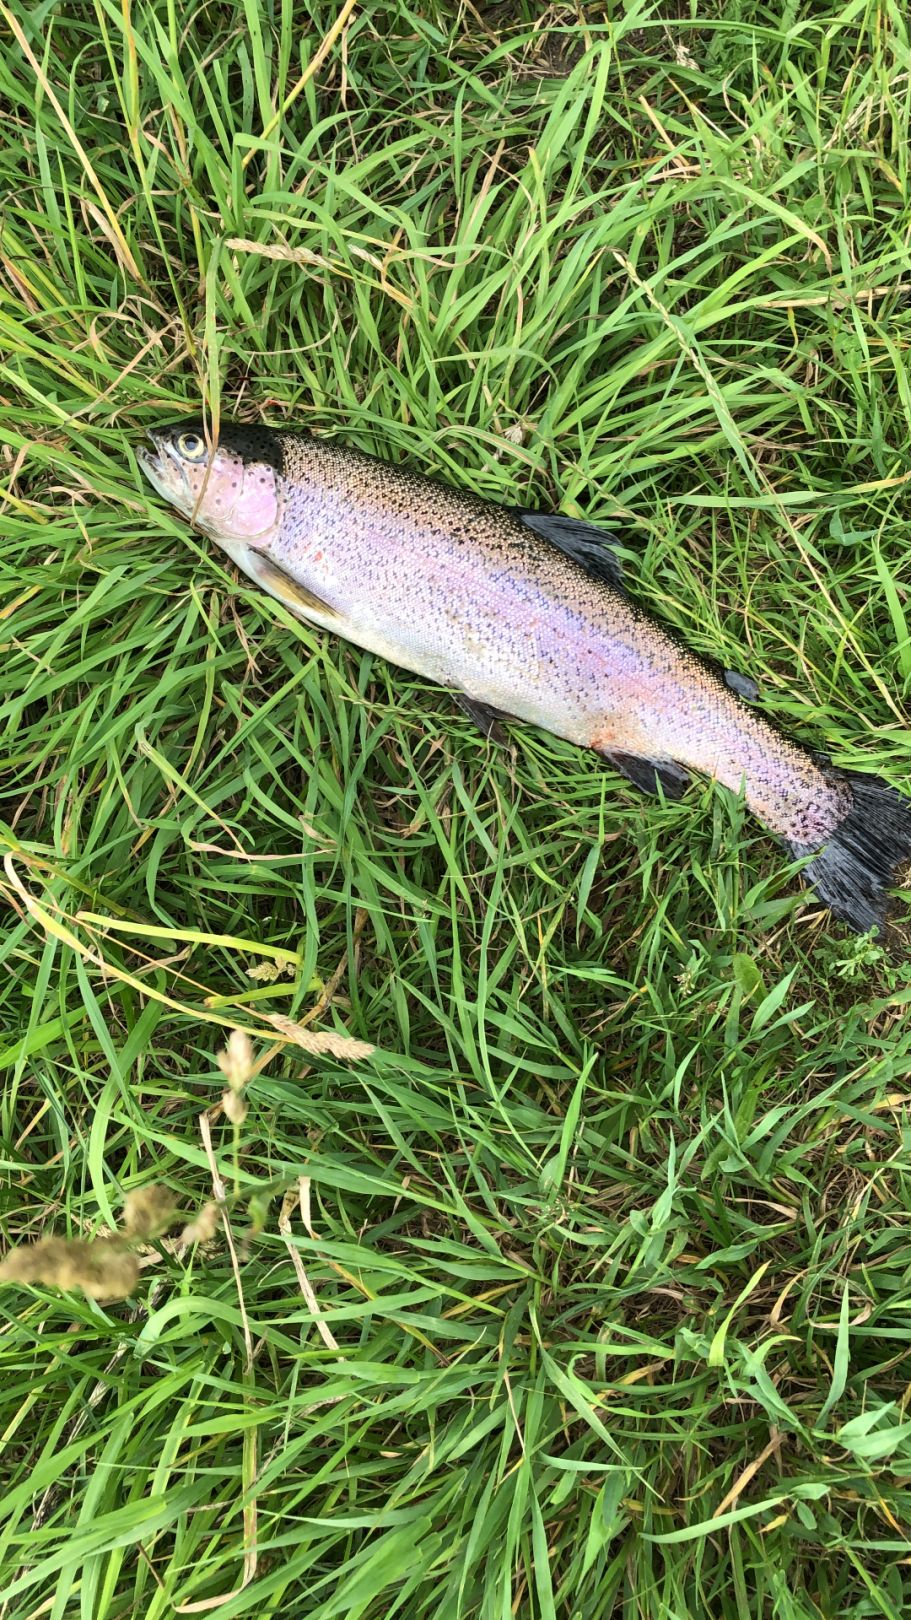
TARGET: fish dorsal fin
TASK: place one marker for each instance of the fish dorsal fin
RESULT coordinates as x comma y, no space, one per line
591,547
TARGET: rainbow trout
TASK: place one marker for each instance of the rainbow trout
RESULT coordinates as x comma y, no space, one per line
524,614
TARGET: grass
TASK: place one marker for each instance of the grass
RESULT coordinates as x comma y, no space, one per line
608,1241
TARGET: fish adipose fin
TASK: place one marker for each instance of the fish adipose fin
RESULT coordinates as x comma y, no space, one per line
743,685
484,717
650,774
854,871
584,542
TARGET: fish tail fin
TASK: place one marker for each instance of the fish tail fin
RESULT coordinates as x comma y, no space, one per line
859,863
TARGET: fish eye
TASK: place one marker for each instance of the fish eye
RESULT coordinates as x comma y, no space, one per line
192,446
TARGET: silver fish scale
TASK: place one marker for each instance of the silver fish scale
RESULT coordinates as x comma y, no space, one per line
458,589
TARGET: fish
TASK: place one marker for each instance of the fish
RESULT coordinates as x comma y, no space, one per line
525,616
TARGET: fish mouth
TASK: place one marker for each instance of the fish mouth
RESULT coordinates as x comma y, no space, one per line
163,469
149,461
150,457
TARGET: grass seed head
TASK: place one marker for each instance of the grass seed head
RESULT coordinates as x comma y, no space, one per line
236,1060
148,1212
104,1269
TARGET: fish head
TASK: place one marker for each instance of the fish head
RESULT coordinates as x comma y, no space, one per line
231,489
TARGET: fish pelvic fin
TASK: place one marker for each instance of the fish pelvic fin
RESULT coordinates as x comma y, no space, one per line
650,774
860,862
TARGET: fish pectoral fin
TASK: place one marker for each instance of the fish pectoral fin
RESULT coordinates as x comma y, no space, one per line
650,774
289,590
591,547
486,718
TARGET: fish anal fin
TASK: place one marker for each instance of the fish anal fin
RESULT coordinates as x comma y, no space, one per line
585,543
484,717
289,590
649,774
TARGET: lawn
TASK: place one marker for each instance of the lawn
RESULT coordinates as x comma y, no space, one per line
585,1292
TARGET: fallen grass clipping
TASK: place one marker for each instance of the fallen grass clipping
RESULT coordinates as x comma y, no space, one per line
540,1245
